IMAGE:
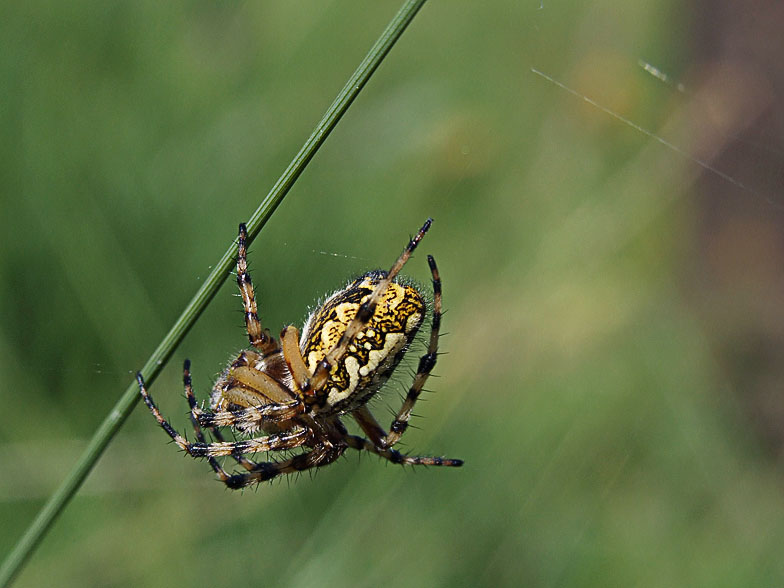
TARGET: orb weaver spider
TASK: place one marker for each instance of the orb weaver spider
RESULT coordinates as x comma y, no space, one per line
295,391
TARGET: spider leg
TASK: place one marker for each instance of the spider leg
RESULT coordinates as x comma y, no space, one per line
186,378
195,414
378,436
249,418
295,437
426,364
366,310
258,337
369,425
362,444
321,455
246,463
289,341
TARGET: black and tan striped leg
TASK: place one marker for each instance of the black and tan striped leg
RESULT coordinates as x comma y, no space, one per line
247,419
362,444
320,456
257,397
368,423
363,416
196,413
257,335
426,364
295,437
316,382
243,461
186,378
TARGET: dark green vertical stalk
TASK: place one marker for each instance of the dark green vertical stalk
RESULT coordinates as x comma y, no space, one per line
112,423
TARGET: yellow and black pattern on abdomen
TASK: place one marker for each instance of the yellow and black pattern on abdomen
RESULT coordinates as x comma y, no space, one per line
376,350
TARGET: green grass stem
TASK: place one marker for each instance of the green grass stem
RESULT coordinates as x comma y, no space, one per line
112,423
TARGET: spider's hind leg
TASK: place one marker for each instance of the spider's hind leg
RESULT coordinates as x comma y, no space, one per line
426,363
362,444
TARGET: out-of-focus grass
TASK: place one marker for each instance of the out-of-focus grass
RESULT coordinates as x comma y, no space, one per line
602,443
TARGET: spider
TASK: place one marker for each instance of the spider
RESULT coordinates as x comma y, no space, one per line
293,393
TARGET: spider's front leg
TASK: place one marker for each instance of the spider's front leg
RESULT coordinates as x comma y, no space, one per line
257,335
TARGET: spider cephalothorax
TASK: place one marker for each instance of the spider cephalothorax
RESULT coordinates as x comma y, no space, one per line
296,391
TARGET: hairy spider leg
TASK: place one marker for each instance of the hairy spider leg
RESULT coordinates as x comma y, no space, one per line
246,463
369,425
262,398
321,455
186,379
362,444
381,441
258,336
365,418
426,364
250,417
316,383
295,437
196,414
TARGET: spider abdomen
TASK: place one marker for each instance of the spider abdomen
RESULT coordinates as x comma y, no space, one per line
376,350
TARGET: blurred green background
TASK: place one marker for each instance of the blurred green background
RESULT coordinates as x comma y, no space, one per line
611,434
